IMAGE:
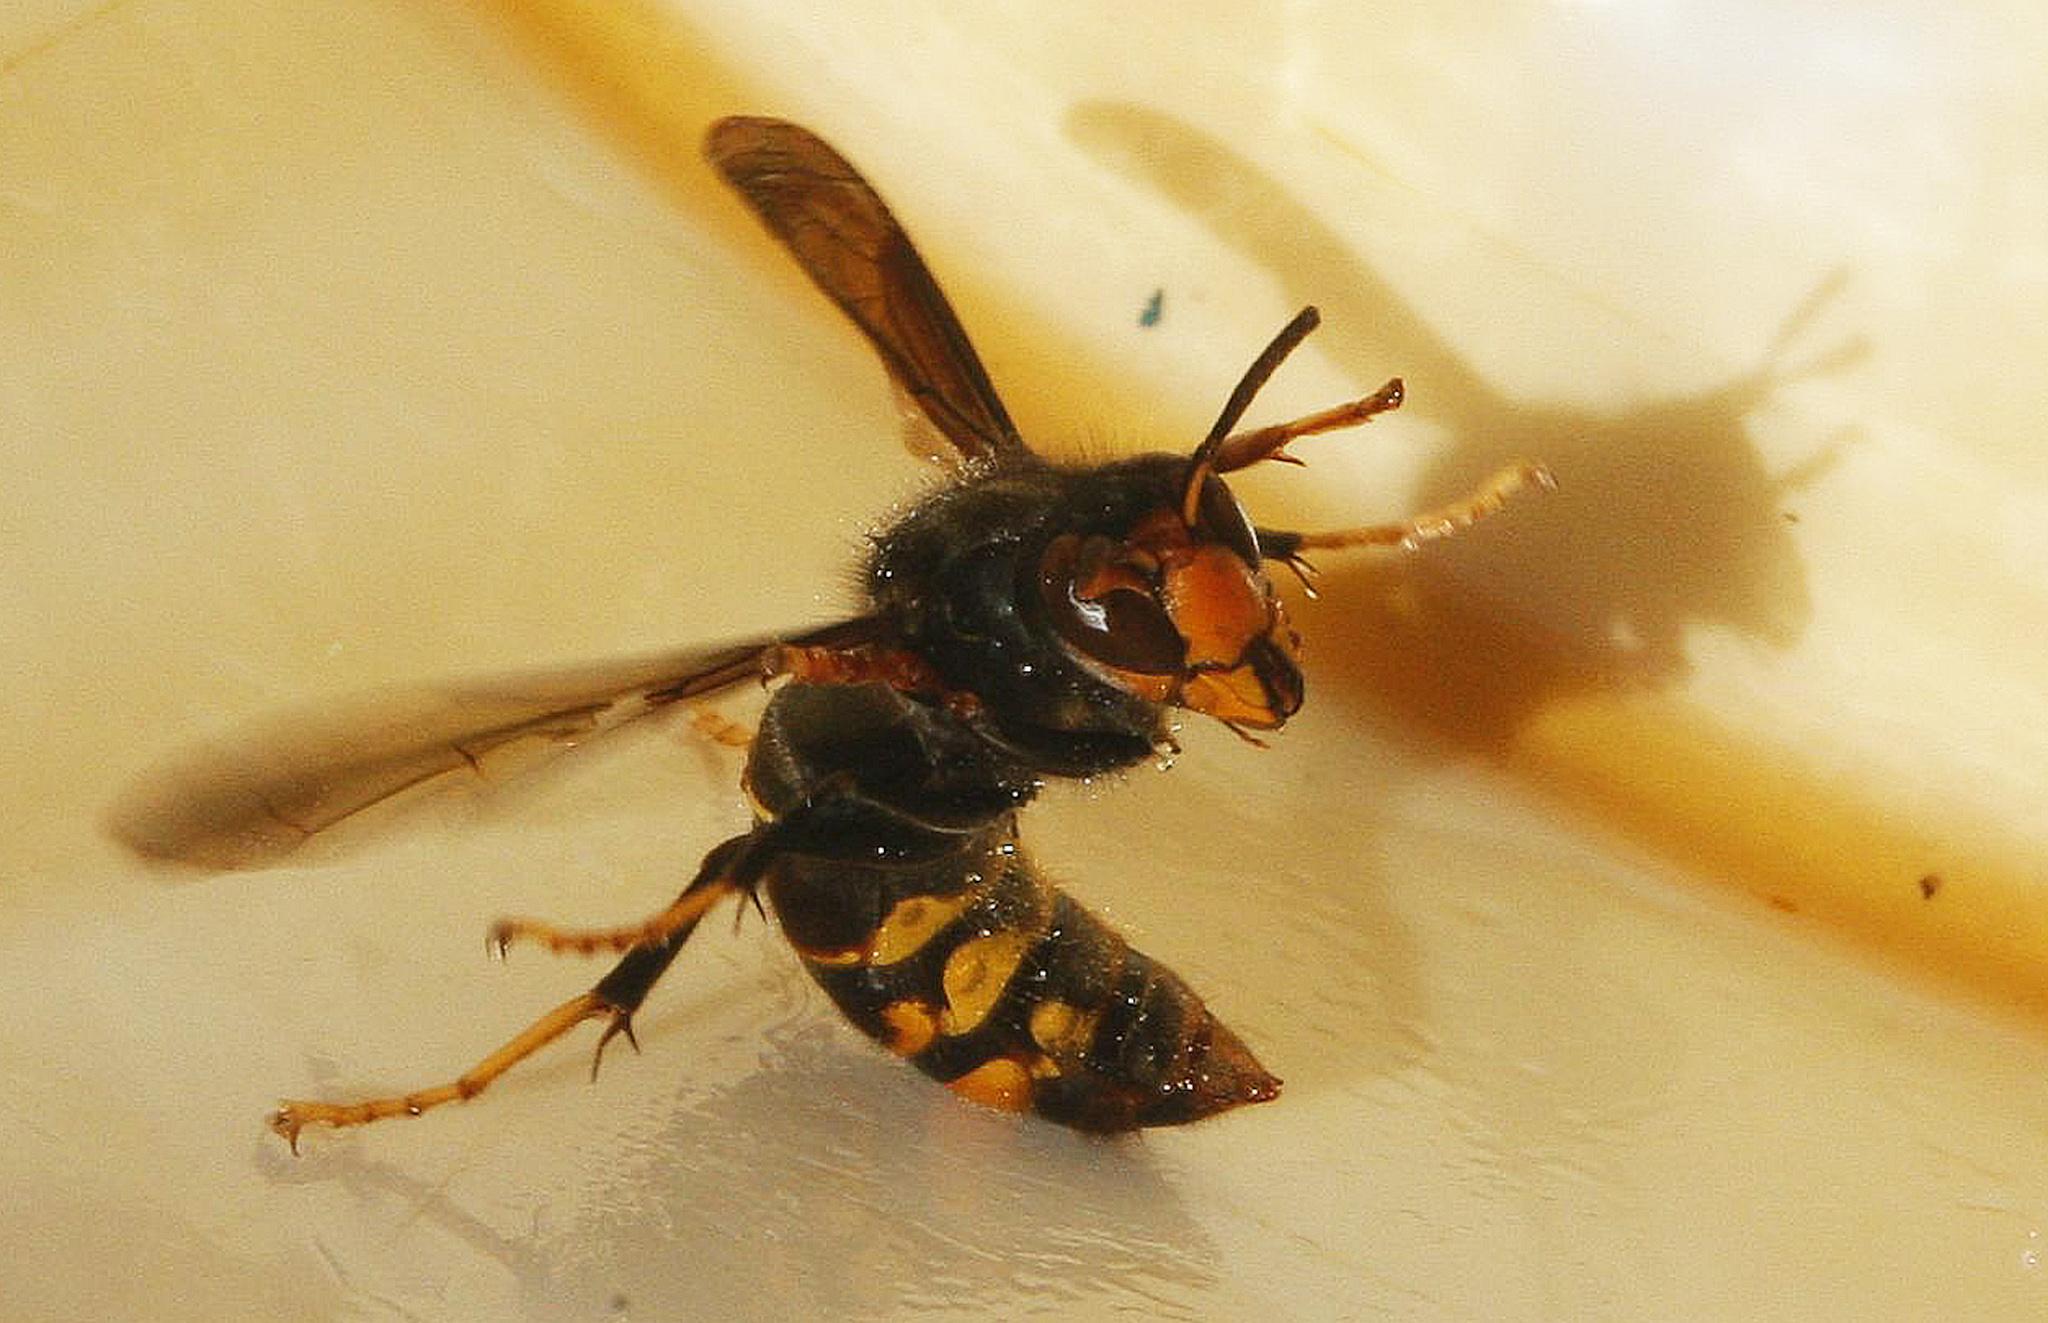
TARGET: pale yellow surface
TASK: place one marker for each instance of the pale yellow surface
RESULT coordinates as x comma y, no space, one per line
1582,909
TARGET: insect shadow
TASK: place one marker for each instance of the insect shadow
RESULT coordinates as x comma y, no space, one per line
1665,518
841,1217
988,1216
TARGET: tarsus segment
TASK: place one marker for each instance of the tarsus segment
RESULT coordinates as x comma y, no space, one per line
1490,496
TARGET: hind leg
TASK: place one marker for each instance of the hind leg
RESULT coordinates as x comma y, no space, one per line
615,998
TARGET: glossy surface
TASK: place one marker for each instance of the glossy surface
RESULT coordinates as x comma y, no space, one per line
347,345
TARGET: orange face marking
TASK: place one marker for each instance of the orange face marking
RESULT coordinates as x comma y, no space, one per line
1234,695
1003,1083
1216,602
1206,632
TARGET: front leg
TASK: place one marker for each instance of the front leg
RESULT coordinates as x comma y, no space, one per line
1489,497
867,663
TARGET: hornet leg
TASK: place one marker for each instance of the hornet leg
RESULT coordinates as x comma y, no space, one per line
615,998
1495,492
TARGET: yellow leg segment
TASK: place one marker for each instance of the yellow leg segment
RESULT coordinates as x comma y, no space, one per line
295,1115
687,909
1494,493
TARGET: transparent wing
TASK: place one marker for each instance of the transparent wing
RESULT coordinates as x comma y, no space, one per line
842,234
276,783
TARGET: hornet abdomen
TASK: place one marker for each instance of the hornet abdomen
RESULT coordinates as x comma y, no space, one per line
941,940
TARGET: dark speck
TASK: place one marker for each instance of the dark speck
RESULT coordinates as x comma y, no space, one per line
1149,318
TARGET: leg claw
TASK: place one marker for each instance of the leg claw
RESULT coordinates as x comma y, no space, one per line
286,1123
621,1023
